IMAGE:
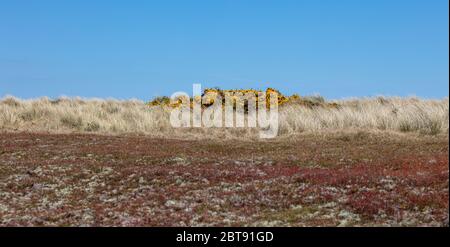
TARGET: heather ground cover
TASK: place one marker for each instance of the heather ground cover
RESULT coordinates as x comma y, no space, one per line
329,179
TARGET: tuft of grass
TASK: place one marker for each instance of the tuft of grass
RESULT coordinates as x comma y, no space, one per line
71,121
10,101
92,127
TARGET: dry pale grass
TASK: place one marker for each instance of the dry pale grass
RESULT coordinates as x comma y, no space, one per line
110,116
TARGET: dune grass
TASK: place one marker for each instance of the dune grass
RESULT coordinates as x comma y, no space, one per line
110,116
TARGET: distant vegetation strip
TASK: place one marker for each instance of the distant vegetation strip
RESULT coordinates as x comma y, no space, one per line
297,115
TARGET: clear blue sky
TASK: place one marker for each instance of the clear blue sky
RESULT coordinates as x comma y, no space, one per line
126,49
